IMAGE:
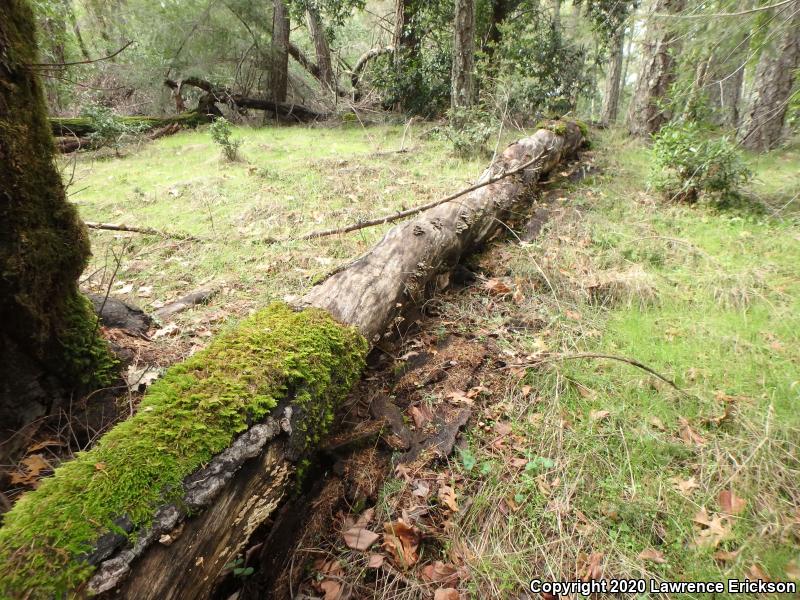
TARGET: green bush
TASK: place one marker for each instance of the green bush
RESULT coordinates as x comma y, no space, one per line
688,163
469,130
222,134
109,129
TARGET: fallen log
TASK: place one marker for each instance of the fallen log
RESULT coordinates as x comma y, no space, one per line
186,302
227,96
162,506
84,126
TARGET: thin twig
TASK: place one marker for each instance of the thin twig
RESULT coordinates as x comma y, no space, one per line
630,361
80,62
143,230
418,209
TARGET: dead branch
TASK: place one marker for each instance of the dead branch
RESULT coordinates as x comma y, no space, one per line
418,209
80,62
142,230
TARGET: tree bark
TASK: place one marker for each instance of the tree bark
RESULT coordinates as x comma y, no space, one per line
646,115
48,339
238,490
463,78
772,88
613,78
500,9
555,6
317,31
279,52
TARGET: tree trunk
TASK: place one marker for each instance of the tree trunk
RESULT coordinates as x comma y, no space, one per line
463,79
279,52
613,78
555,6
222,436
76,29
500,10
405,33
48,333
317,31
646,114
772,88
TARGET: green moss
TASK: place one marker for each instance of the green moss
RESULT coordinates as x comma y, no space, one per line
87,359
83,126
186,418
556,126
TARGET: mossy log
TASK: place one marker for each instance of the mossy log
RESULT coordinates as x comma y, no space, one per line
165,502
83,126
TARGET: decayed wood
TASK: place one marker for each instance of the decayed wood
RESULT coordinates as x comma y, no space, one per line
373,290
238,492
184,303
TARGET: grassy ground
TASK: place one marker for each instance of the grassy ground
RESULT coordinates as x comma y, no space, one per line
599,465
603,465
290,180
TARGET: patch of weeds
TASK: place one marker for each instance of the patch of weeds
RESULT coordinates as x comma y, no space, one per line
221,132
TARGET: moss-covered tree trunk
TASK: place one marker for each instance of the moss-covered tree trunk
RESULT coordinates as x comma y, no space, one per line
48,337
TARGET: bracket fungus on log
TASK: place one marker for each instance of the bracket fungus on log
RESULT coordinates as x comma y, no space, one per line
167,499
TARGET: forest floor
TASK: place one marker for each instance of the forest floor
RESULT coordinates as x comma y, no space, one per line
578,467
568,467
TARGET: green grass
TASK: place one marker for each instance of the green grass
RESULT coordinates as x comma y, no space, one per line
291,180
709,299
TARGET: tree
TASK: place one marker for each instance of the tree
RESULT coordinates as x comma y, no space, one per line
613,78
279,51
48,332
463,79
323,52
772,87
647,111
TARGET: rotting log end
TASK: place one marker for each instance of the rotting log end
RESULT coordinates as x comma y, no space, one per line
279,366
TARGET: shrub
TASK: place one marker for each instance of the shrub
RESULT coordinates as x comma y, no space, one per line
222,134
109,129
469,129
688,163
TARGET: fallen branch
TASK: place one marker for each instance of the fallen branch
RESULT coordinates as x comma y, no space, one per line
623,359
188,301
418,209
142,230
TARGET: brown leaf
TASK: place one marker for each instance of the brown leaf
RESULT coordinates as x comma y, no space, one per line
571,314
657,423
689,435
34,465
713,530
364,518
421,489
725,556
685,486
792,570
375,561
653,555
730,503
446,594
421,415
359,538
440,572
599,415
402,541
756,572
590,567
332,589
526,390
496,287
448,495
502,428
43,444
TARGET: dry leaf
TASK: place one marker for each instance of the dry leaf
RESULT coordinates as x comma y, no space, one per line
756,572
375,561
685,486
571,314
496,287
599,415
402,541
448,495
689,435
653,555
713,530
502,428
657,423
421,415
332,589
725,556
459,397
421,490
446,594
730,503
34,465
526,390
792,570
43,444
359,538
590,567
440,572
